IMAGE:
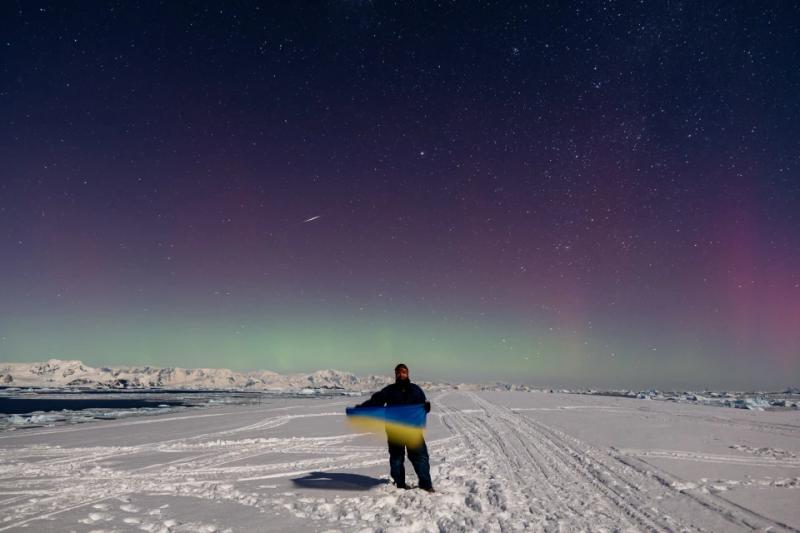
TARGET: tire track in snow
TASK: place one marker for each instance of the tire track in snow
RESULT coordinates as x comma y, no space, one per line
634,484
779,462
732,512
480,437
570,478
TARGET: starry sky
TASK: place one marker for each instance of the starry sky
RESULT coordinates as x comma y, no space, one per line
567,193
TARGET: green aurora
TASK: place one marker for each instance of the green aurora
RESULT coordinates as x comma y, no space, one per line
467,350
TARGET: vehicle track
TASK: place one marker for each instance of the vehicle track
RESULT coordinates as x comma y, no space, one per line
550,473
644,498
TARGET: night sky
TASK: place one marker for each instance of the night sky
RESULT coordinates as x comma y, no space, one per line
589,194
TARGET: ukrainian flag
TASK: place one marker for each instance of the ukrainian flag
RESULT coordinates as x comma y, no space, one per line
404,424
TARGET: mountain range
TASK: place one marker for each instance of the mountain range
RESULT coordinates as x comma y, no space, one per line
60,373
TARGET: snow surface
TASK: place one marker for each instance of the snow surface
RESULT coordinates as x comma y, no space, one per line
501,461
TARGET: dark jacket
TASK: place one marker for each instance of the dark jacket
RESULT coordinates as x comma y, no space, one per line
396,394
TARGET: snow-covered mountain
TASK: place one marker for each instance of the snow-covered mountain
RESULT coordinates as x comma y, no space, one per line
59,373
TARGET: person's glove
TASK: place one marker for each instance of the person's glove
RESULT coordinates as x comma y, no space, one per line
427,407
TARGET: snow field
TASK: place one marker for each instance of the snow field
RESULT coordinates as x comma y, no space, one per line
500,462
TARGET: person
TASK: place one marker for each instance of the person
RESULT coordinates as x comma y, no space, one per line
403,392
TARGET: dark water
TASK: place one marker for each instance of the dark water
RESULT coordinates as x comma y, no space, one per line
137,391
12,406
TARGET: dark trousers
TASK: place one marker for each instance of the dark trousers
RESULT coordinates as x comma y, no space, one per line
419,460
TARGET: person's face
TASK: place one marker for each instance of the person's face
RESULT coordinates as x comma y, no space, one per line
401,373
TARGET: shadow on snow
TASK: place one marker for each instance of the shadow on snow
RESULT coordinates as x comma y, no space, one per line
337,481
